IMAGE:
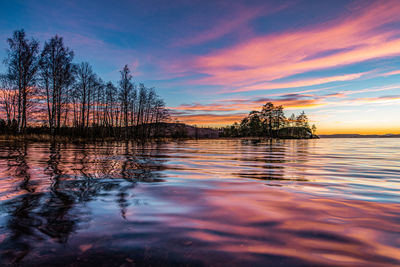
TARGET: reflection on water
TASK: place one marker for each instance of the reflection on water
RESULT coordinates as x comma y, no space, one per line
230,202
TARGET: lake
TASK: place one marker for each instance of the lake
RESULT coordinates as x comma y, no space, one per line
326,202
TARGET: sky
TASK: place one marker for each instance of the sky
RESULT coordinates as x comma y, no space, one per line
214,61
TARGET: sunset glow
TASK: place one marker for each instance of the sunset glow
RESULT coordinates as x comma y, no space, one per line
200,133
215,62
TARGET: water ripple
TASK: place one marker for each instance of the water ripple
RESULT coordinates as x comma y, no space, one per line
329,202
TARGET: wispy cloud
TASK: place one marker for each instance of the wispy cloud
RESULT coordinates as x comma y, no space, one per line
223,27
298,83
292,101
347,40
211,119
391,99
390,73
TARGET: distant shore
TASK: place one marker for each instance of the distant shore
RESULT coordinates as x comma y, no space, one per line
164,131
190,132
359,136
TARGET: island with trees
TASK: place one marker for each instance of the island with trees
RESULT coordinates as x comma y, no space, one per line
43,92
271,122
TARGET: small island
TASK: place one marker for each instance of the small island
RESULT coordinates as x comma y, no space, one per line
271,122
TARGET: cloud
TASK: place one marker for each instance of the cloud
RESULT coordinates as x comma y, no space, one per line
289,101
235,21
201,107
369,90
299,83
97,51
390,73
191,113
211,119
391,99
346,40
222,28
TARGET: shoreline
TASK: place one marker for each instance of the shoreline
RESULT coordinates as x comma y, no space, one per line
78,139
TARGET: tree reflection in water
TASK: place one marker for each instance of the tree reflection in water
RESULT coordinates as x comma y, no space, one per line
52,207
273,158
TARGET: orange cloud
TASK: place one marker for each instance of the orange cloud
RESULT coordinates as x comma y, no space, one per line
188,112
201,107
289,102
211,119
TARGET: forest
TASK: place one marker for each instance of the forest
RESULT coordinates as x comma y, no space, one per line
270,121
45,91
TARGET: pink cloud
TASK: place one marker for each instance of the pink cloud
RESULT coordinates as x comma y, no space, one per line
299,83
344,41
294,101
390,73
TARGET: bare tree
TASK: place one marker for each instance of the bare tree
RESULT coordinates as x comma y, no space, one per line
110,112
84,75
8,99
56,75
126,88
22,62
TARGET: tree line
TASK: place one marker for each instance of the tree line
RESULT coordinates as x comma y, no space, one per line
71,96
270,121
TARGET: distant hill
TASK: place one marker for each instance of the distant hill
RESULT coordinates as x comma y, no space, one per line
178,130
359,135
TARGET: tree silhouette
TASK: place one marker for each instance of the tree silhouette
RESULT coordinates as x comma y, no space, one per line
270,122
313,129
56,75
22,62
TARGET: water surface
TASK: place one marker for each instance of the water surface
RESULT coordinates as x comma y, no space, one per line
328,202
